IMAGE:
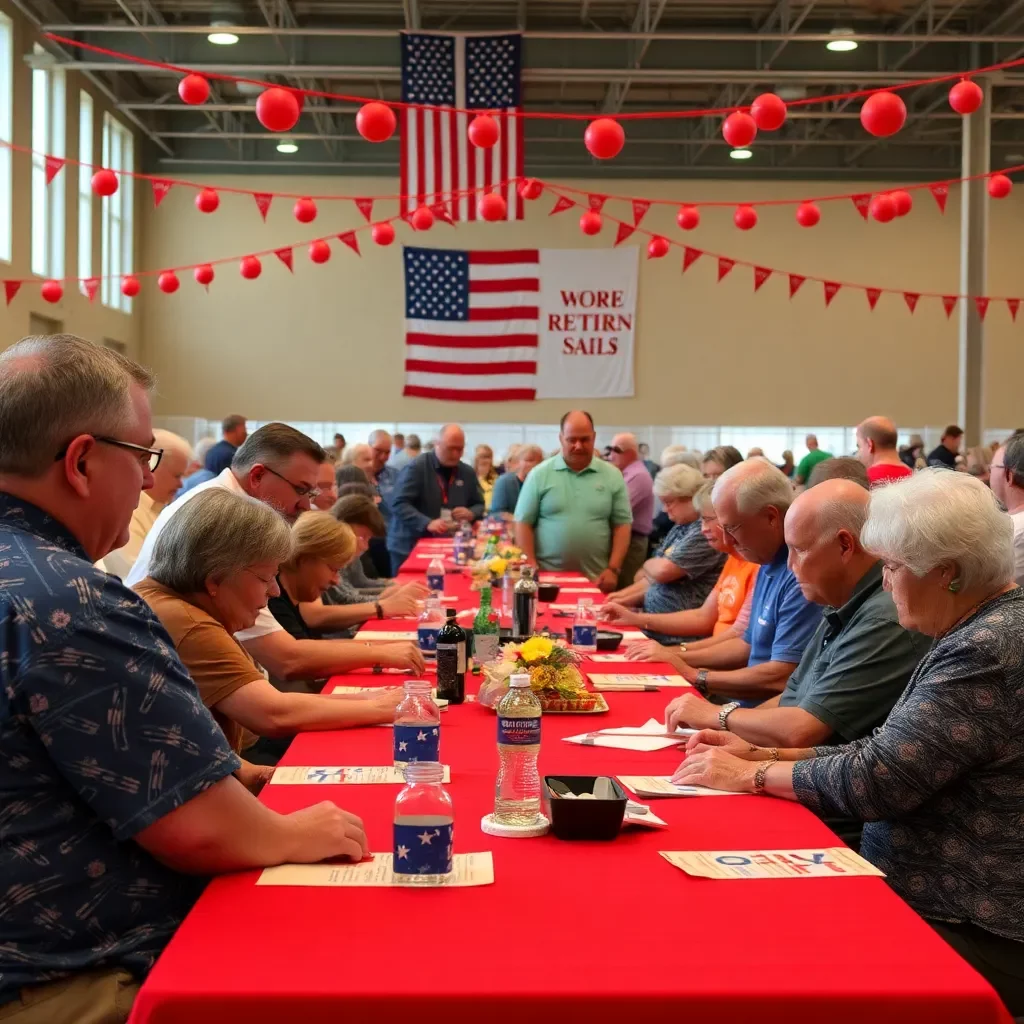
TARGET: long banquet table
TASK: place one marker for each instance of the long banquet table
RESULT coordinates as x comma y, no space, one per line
584,931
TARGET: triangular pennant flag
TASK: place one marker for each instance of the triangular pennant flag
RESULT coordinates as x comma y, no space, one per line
285,256
873,295
365,207
831,290
91,286
690,256
623,232
596,201
349,238
949,304
724,266
263,200
10,290
795,280
562,203
862,202
640,208
761,274
910,298
160,189
53,167
981,305
941,193
1014,305
441,212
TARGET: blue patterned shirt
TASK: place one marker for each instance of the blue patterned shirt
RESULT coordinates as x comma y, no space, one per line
941,783
102,733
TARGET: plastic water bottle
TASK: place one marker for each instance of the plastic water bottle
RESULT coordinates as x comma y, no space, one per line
424,827
517,790
435,577
459,547
417,725
430,622
584,626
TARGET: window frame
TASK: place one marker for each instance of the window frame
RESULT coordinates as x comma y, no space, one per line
86,138
117,214
49,138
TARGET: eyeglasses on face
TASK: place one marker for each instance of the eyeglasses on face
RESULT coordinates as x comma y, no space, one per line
152,455
300,489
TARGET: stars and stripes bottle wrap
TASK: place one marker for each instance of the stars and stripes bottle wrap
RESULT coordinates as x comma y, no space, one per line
417,730
424,826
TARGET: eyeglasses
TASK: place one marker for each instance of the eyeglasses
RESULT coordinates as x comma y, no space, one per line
300,489
154,454
615,448
265,583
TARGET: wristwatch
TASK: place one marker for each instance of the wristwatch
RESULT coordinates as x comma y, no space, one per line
701,683
723,715
380,611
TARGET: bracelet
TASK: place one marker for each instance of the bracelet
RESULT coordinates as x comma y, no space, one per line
701,683
723,715
762,771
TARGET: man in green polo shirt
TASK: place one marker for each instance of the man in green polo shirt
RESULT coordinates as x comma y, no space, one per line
809,461
573,510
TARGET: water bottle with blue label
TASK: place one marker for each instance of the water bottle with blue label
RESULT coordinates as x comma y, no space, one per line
584,627
417,725
424,827
459,555
429,625
517,789
435,577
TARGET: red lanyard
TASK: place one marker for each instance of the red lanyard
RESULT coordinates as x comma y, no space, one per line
444,485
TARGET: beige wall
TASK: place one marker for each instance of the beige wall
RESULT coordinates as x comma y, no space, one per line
326,344
74,311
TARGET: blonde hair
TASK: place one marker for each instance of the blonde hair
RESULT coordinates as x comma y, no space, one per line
480,452
702,499
320,535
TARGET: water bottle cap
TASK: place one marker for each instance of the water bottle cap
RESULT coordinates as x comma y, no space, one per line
418,686
584,602
424,771
520,679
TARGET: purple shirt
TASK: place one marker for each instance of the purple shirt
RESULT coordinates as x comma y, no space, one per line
641,496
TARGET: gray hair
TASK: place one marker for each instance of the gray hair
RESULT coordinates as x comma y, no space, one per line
203,445
214,535
936,517
530,449
171,442
275,443
702,499
348,456
678,482
1013,458
377,434
679,455
758,484
55,387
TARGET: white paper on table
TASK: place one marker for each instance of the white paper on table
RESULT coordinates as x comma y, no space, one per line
648,819
467,869
303,775
830,862
441,702
561,579
576,590
605,657
385,634
628,636
662,785
617,679
613,738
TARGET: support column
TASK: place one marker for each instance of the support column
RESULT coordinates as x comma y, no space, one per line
974,204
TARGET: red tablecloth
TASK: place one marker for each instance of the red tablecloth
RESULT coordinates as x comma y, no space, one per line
578,931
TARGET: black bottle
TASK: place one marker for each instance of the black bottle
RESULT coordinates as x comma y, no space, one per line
451,661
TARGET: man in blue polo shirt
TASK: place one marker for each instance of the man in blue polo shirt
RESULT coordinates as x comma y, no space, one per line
751,501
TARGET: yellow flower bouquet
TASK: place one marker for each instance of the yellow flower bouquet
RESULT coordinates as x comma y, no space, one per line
554,675
488,571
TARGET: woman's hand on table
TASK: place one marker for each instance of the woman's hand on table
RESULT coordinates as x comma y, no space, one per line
417,588
404,654
254,776
715,768
691,711
400,605
708,739
613,612
325,830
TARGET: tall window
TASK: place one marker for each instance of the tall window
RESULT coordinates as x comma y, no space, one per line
6,117
48,131
118,156
85,173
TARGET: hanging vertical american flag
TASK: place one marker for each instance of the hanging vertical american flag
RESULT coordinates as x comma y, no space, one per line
439,164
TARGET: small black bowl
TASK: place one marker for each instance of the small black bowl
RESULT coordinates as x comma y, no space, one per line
547,591
608,640
585,819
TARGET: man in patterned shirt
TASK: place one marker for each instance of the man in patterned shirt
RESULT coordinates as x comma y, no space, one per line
117,789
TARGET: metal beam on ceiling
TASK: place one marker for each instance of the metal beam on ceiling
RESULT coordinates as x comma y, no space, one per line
645,20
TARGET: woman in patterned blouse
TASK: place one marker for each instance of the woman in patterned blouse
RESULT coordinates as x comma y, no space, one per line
941,784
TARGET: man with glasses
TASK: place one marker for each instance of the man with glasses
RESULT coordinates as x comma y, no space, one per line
1006,478
625,454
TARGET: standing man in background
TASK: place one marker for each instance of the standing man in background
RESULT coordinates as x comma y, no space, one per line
234,431
625,453
397,445
573,510
652,466
383,479
402,458
809,461
876,449
1007,483
948,448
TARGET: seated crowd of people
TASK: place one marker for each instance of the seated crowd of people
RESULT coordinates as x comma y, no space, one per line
851,628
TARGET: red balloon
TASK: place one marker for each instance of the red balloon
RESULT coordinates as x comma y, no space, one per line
304,211
422,219
52,291
768,112
808,214
193,90
168,282
277,109
965,97
604,138
657,247
883,114
739,129
745,217
104,182
904,202
382,233
207,200
203,274
250,268
591,222
492,207
530,188
483,131
376,122
883,208
130,286
688,217
999,186
319,251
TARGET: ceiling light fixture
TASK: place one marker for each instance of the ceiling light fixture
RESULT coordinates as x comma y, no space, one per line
741,154
287,147
841,44
219,38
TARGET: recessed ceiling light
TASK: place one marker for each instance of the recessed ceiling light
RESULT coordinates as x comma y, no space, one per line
287,147
840,44
741,154
221,38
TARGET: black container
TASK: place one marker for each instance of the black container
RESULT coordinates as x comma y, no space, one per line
607,639
451,660
547,591
585,819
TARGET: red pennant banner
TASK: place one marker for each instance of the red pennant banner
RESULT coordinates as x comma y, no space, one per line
160,189
263,200
441,212
91,285
365,207
941,194
761,274
873,294
910,298
349,238
53,167
596,201
949,304
623,232
831,291
1013,305
285,256
981,305
795,281
640,208
862,202
724,266
11,289
690,256
562,203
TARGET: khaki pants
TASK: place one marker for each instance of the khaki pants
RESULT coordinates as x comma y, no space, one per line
636,555
97,997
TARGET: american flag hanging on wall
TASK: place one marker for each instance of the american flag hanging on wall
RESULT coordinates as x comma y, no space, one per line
438,161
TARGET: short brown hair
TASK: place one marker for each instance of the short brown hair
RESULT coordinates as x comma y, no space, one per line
843,468
275,442
725,455
364,490
232,422
359,510
953,431
878,430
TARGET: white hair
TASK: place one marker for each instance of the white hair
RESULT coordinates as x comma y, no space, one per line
679,455
203,445
348,456
678,482
938,517
530,449
378,435
758,484
171,442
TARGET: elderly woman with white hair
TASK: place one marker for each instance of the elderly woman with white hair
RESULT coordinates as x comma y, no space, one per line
508,485
941,784
360,455
684,569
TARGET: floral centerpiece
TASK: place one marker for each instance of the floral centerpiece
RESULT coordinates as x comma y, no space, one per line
554,675
487,572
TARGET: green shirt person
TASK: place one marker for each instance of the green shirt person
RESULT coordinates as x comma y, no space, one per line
573,510
809,461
